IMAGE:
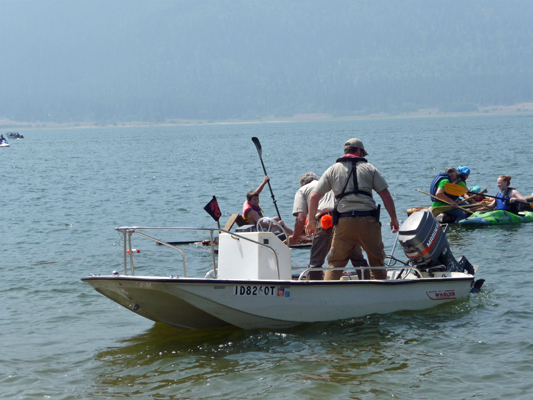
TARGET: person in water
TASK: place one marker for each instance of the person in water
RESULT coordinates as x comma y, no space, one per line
508,198
252,212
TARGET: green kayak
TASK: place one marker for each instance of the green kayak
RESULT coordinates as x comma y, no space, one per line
498,217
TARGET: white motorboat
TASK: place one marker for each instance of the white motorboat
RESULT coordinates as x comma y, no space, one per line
252,285
4,144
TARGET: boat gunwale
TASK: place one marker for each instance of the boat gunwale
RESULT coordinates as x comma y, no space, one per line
218,282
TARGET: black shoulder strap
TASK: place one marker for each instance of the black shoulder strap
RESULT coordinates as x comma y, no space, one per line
458,180
354,161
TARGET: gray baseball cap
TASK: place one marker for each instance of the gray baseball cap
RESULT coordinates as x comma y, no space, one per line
354,142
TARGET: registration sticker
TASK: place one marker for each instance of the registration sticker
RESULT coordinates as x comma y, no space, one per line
252,290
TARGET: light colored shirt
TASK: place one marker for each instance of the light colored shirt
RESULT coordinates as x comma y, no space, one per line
303,195
368,179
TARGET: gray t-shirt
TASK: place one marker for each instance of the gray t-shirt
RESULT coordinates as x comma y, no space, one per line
303,195
368,178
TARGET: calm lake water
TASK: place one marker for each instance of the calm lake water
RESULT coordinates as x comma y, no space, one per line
64,191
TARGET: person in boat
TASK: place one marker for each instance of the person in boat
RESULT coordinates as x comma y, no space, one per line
324,234
451,175
508,199
355,213
252,212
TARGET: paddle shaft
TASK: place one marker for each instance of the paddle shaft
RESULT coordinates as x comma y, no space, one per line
483,191
457,190
259,152
442,209
436,198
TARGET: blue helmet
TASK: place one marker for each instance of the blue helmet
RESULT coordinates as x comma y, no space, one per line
463,170
475,189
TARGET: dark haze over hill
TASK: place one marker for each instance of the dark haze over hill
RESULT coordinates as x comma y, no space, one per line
114,60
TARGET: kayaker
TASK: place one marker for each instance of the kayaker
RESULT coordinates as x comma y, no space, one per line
451,175
252,212
476,198
463,174
508,198
324,234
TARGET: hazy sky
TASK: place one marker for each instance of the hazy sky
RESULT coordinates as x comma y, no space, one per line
131,60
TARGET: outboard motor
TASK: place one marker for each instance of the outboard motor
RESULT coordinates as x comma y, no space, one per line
425,244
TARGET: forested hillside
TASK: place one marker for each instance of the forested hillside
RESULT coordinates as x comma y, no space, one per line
114,61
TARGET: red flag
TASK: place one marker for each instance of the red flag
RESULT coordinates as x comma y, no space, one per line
212,209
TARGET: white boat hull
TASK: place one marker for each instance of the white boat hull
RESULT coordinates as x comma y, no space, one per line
203,303
154,300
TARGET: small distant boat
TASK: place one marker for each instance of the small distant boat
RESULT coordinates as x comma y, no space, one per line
252,285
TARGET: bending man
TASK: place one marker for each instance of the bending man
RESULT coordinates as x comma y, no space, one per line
324,234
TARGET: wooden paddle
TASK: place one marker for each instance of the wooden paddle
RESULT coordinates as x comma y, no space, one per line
482,192
448,202
457,190
442,209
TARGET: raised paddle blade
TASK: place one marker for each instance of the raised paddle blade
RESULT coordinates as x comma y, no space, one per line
257,145
455,190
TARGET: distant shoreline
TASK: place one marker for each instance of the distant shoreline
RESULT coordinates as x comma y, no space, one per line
518,109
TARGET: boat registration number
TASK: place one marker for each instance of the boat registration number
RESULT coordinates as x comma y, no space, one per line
250,290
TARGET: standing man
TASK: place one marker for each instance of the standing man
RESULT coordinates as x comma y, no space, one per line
355,215
324,234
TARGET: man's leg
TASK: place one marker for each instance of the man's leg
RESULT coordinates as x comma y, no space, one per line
358,260
319,251
369,237
341,247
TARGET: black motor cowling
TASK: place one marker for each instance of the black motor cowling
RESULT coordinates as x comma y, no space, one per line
425,244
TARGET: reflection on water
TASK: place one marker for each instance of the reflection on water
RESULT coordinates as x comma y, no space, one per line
64,340
351,352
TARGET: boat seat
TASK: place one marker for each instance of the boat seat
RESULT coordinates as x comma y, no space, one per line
234,219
